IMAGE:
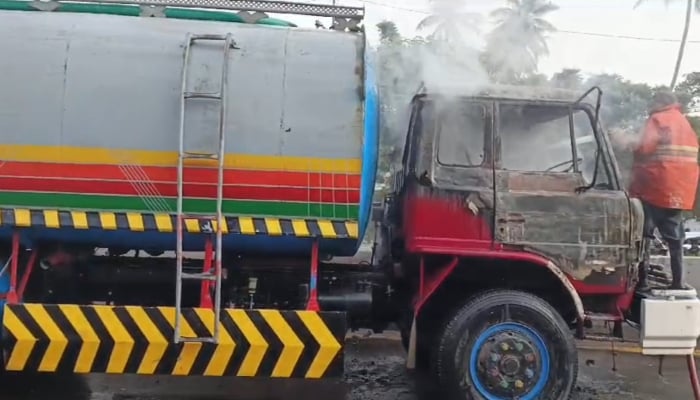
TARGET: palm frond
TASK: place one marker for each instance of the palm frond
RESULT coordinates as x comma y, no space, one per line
544,25
545,8
503,13
429,21
513,3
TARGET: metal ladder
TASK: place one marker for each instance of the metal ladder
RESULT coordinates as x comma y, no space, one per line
214,275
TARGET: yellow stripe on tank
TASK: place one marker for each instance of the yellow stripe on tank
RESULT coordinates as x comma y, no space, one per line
104,156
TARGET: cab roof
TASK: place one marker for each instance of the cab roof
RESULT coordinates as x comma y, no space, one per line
509,92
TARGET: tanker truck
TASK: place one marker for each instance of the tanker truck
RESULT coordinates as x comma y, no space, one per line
181,183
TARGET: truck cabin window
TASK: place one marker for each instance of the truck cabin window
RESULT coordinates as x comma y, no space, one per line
460,129
537,138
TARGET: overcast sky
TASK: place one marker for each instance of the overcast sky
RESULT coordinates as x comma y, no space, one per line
577,44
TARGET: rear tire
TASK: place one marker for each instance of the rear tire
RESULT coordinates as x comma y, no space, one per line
506,344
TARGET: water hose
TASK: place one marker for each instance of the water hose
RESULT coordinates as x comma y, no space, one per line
693,372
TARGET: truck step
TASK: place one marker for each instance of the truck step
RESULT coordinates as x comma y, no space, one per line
200,276
603,317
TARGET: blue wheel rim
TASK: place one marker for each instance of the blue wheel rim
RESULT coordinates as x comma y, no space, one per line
524,332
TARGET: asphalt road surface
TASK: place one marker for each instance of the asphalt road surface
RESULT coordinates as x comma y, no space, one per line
374,371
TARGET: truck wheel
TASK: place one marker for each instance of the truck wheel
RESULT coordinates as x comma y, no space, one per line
506,344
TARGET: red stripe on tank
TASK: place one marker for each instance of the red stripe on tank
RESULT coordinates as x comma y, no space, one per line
169,174
199,190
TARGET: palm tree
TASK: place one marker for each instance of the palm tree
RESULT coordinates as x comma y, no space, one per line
684,37
449,24
515,46
388,31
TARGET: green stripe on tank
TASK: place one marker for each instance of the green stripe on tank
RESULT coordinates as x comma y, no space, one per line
128,203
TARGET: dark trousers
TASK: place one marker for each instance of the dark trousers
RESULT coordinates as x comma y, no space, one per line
669,222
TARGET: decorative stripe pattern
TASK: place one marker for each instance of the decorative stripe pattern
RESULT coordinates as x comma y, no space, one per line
146,158
162,192
191,206
138,340
166,223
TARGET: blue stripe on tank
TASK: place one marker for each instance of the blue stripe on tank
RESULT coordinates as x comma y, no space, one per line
370,145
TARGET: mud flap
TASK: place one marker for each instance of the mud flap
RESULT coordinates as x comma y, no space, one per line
139,340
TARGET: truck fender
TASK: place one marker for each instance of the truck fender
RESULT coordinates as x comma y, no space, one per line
446,271
578,304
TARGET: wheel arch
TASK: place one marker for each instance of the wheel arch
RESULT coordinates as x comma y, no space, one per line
449,283
500,270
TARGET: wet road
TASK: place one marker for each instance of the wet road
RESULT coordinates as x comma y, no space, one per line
375,371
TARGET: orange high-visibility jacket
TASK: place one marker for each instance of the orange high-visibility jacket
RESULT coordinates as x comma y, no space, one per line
665,171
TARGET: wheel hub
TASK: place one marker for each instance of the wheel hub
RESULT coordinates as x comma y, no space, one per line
509,364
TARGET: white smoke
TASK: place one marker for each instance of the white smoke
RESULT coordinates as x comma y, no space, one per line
448,59
450,62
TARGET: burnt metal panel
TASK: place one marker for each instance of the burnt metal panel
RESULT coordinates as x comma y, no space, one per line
585,234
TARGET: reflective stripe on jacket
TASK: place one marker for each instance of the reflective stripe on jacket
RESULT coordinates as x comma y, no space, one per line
665,171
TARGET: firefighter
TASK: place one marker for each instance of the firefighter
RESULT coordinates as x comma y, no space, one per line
665,179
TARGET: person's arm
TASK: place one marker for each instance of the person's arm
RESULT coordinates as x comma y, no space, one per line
650,139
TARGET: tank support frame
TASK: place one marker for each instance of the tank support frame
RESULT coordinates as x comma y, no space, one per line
16,293
313,304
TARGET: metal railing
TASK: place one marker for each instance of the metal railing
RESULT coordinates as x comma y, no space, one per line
264,6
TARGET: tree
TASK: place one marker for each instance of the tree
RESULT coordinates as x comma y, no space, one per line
449,24
388,32
514,47
568,78
625,103
689,91
684,37
398,78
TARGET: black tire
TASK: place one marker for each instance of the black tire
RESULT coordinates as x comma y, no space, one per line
522,325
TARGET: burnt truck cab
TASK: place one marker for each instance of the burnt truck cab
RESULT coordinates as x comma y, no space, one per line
509,197
527,171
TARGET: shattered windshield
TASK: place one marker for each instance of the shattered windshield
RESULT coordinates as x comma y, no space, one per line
538,138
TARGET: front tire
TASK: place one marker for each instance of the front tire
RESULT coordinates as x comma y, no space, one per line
506,344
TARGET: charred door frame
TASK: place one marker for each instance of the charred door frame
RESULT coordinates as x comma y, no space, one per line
474,185
591,240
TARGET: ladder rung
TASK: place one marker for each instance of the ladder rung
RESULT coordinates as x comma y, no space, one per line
207,37
201,276
203,339
202,95
194,154
209,217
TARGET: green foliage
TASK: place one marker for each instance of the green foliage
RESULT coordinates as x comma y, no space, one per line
388,31
398,80
516,44
695,123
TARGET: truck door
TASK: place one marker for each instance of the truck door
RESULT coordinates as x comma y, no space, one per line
451,203
546,152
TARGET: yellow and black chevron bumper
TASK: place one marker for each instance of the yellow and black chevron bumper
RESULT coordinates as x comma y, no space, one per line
139,340
165,223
